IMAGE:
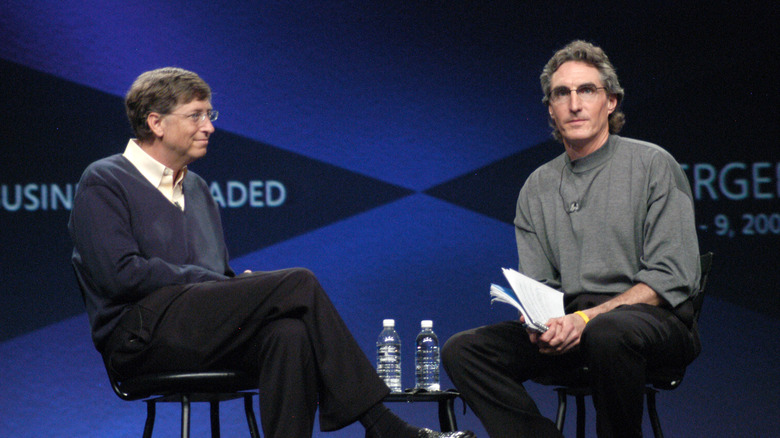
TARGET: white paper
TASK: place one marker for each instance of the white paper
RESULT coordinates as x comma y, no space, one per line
535,301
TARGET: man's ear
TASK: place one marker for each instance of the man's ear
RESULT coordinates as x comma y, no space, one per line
154,121
612,103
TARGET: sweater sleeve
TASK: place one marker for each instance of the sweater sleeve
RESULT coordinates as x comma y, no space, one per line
669,264
534,255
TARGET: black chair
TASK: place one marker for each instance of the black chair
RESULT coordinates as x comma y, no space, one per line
185,388
575,384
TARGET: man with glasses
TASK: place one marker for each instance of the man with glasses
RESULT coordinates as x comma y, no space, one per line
610,223
151,260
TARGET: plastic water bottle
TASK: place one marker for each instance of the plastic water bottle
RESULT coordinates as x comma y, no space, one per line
427,358
388,356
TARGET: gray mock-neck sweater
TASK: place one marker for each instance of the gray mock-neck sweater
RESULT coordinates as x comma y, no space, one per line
600,224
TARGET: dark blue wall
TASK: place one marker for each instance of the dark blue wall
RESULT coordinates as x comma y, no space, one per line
382,144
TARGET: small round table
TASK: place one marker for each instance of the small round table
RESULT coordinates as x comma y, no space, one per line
445,399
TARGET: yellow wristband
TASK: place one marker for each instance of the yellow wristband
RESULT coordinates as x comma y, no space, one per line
582,315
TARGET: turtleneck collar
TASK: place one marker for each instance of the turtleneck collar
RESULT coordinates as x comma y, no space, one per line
594,159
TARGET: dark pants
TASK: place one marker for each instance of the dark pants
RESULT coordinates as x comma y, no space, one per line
489,364
279,326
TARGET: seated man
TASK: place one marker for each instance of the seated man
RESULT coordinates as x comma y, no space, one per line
150,257
610,223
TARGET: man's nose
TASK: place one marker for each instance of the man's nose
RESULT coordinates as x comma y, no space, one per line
575,104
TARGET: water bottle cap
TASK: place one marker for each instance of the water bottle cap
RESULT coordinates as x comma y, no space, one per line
427,323
388,322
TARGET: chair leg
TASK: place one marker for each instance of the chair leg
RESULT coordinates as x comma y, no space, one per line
447,421
653,413
580,400
250,416
561,417
150,413
185,416
580,416
214,410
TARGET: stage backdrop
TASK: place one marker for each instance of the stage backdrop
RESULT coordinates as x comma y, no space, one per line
382,144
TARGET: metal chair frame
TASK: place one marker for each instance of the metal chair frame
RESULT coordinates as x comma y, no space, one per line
185,388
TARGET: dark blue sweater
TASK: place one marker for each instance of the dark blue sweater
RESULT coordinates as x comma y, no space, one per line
129,240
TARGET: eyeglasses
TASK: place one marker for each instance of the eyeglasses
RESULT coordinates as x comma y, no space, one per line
586,93
200,117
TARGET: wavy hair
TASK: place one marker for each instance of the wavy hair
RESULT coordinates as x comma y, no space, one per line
586,52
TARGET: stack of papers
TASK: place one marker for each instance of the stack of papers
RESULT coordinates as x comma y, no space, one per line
535,301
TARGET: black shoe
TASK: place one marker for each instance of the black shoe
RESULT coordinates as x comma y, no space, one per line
427,433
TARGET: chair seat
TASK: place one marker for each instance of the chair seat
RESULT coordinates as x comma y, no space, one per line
574,377
208,382
665,378
186,388
662,378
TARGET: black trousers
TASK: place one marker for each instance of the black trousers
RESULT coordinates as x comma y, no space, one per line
279,326
489,364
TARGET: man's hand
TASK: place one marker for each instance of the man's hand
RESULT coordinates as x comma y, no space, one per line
563,335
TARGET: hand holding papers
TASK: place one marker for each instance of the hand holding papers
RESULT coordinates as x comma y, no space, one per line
536,302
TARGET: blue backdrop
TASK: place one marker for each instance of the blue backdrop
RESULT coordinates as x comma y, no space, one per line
382,145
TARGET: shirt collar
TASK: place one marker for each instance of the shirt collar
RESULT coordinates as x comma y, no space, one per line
150,168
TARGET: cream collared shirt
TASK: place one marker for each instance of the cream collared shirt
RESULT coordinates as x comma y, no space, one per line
158,175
